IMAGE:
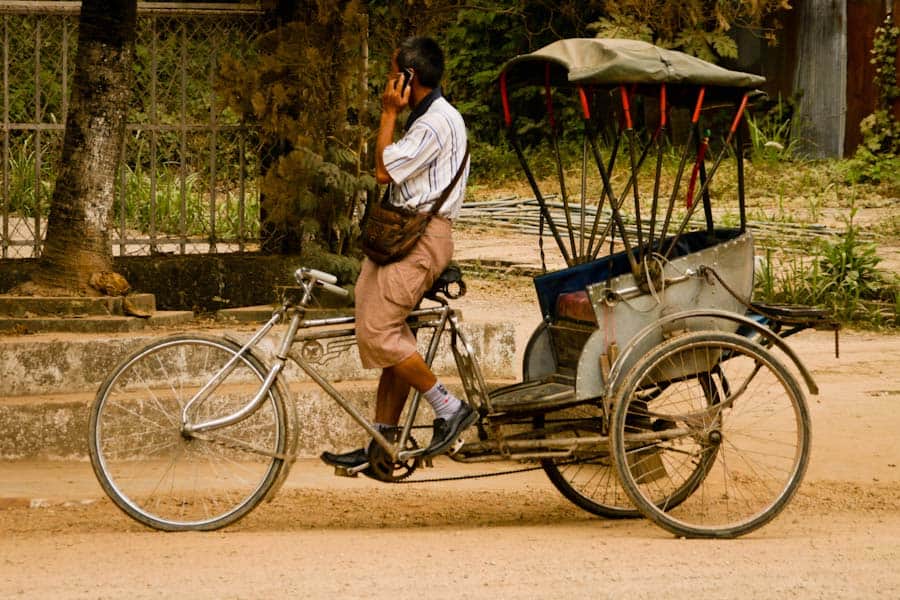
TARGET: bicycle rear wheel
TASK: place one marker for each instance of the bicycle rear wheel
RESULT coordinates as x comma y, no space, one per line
740,457
589,479
173,481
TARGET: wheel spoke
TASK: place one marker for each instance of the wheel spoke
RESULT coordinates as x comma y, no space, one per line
590,482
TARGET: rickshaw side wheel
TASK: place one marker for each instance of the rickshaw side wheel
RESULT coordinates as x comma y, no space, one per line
710,435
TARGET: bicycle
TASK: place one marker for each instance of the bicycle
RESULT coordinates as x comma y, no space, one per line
186,394
193,431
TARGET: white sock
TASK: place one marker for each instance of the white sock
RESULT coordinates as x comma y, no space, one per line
444,403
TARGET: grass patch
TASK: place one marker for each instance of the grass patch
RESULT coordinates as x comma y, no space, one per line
842,276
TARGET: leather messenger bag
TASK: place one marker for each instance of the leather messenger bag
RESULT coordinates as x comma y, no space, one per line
390,232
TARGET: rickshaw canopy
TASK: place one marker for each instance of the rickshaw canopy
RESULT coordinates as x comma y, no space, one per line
603,61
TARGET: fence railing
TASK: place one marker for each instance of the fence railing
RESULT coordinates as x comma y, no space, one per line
188,175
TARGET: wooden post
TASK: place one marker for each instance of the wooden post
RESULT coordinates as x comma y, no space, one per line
863,17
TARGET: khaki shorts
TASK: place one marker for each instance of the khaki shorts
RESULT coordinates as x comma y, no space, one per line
385,295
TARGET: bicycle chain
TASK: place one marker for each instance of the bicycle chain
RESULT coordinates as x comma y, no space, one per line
462,477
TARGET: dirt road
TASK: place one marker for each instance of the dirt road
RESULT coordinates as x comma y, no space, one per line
513,536
489,543
504,537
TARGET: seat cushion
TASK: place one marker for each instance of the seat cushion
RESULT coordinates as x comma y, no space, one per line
576,306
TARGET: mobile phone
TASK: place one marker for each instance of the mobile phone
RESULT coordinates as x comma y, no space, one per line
407,77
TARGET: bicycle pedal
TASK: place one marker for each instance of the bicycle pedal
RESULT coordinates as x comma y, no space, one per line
344,472
350,471
457,445
357,469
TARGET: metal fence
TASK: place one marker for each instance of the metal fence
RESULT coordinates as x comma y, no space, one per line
188,174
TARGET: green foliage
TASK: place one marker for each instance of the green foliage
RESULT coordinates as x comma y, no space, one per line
479,41
884,53
841,276
772,135
164,213
869,167
697,27
180,204
303,88
28,195
878,158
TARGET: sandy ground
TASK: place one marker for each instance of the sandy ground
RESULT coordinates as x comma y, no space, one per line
512,536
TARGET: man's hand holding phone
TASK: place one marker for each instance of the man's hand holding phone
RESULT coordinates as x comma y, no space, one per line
397,92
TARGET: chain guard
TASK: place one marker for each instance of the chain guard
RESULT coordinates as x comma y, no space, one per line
382,468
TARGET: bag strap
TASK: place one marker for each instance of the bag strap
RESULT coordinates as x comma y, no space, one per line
446,193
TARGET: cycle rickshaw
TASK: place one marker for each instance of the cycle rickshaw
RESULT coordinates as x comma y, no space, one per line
653,386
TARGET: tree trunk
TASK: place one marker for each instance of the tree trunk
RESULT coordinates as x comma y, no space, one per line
78,228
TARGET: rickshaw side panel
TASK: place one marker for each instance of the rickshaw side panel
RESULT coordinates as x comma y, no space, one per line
539,359
620,322
590,345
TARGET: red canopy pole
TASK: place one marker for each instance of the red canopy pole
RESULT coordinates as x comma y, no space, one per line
504,98
548,92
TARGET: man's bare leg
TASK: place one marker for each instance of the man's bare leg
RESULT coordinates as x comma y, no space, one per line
394,384
390,398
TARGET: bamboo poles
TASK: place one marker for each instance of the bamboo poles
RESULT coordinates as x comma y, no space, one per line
522,215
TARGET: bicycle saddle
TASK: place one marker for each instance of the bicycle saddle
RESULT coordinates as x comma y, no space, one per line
449,283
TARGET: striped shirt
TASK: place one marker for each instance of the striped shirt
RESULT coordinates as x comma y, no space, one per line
423,162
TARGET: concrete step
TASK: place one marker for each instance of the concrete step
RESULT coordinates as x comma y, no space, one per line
55,426
66,363
94,323
74,307
104,314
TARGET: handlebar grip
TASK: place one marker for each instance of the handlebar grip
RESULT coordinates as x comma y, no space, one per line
319,275
334,289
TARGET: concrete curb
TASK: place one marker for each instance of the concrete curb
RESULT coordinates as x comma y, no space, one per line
65,364
95,324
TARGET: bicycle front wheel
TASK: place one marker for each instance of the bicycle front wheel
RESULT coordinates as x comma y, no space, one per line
170,480
727,427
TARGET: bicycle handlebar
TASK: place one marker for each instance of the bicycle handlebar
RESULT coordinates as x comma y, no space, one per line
321,278
334,289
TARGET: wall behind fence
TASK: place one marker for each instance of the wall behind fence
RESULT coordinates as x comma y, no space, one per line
188,175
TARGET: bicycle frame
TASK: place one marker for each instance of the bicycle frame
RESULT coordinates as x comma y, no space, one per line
301,330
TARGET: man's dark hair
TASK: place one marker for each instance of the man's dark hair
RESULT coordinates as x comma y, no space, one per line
423,55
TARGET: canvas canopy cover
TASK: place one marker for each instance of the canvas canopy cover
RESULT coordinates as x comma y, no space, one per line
602,61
